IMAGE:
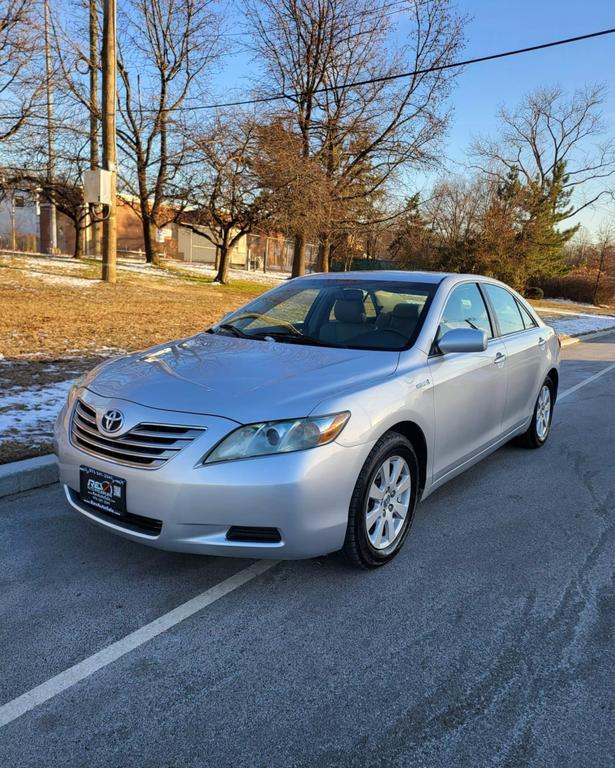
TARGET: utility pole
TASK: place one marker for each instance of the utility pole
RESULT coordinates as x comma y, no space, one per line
53,233
109,98
95,210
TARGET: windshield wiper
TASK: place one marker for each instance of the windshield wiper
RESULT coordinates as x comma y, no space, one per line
234,330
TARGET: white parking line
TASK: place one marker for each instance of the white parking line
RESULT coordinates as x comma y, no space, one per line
71,676
569,391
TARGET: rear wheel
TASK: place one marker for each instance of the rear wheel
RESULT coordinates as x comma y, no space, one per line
383,503
540,426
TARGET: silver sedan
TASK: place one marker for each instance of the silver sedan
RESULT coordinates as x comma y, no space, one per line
311,420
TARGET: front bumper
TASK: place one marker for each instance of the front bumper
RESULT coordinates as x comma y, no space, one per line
304,495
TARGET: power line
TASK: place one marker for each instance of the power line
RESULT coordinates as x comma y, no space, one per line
401,75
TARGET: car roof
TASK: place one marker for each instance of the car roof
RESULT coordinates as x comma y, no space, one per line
388,275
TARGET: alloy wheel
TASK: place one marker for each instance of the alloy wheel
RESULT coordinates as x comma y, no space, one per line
543,412
388,502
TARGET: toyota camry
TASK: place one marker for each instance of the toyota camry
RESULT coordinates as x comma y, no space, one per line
311,420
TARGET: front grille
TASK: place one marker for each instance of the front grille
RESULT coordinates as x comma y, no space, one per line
146,445
253,534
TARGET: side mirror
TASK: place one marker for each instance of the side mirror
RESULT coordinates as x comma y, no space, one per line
463,340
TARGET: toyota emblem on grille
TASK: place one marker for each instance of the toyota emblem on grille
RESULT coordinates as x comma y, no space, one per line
112,421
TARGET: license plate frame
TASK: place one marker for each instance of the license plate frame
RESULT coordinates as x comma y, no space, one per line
102,491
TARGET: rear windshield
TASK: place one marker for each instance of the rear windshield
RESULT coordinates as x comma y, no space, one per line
360,314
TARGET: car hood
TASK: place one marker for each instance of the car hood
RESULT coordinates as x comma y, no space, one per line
240,379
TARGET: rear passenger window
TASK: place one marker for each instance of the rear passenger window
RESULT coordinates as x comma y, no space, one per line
528,320
506,309
465,308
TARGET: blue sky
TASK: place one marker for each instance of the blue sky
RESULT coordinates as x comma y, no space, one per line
498,25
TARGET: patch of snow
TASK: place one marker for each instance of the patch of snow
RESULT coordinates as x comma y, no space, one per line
244,274
109,351
36,261
557,312
577,325
30,412
73,282
567,301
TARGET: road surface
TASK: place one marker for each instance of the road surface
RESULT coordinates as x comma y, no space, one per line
488,642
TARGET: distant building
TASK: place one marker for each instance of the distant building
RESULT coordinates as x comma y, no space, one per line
24,226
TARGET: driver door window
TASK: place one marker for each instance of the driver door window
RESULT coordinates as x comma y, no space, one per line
465,308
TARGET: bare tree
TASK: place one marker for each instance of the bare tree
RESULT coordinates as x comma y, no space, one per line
553,134
334,64
165,48
455,209
66,192
64,188
605,257
295,40
223,200
19,89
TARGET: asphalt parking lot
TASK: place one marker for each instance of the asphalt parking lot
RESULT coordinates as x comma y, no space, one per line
490,640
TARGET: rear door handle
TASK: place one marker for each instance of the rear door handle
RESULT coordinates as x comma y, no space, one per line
541,342
499,358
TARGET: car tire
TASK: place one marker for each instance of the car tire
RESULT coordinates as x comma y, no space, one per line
539,430
376,529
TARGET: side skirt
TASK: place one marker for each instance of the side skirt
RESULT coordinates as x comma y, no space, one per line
474,459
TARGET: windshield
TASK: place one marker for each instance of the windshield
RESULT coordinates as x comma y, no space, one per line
362,314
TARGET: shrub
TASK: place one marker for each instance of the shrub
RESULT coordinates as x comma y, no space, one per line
580,287
534,292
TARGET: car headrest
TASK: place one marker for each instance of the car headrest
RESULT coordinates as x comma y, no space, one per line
351,294
349,311
406,310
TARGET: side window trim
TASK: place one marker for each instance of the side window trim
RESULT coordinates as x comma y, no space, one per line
524,314
493,319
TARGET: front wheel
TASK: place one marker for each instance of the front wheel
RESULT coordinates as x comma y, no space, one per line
540,426
383,503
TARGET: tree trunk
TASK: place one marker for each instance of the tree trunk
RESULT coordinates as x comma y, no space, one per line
224,251
147,224
298,256
78,249
149,241
96,228
324,253
155,245
599,275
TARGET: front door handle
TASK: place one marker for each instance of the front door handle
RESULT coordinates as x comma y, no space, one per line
499,358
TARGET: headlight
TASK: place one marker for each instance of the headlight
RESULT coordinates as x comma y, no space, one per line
278,437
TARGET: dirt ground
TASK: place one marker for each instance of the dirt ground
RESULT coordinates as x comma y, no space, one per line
52,309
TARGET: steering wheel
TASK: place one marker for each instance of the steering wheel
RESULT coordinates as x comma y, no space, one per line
272,320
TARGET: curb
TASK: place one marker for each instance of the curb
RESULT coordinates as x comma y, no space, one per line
19,476
568,340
